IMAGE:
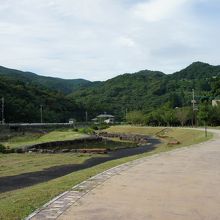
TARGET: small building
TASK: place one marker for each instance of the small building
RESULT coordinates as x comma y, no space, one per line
72,121
216,102
104,118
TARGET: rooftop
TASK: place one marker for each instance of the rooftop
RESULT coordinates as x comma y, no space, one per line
105,116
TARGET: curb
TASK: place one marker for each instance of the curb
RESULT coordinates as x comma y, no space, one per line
57,206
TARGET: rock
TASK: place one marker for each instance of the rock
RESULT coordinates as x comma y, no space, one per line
65,150
93,151
174,142
50,151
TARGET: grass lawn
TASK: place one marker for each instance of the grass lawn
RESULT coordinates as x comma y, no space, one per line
32,138
19,203
14,164
184,136
128,129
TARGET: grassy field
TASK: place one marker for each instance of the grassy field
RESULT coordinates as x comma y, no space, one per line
14,164
127,129
36,138
19,203
184,136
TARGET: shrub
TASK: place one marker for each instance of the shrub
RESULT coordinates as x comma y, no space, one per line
103,126
95,127
19,150
2,148
86,130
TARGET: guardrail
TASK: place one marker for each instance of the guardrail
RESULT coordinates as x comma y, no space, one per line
23,126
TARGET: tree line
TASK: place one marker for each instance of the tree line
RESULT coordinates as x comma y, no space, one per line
180,116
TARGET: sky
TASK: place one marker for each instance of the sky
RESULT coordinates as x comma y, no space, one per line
99,39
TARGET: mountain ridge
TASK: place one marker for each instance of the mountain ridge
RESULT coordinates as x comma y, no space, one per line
63,85
145,90
26,74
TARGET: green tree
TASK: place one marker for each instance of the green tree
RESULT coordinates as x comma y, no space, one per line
155,118
136,117
183,114
169,116
214,116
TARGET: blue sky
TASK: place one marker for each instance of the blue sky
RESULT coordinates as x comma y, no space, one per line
99,39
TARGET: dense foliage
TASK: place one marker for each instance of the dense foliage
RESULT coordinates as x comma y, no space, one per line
206,115
62,85
147,91
162,99
23,100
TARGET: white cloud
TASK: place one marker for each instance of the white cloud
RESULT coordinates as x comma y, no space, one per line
99,39
126,41
156,10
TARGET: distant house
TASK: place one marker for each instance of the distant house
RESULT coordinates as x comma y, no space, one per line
216,102
104,118
72,121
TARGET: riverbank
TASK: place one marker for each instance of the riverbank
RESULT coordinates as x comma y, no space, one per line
17,204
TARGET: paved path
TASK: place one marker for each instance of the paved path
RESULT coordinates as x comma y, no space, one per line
179,185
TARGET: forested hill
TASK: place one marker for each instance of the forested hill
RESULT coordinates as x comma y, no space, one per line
63,85
23,101
198,70
147,90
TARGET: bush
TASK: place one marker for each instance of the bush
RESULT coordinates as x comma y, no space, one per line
136,117
103,126
10,150
94,127
19,150
87,130
2,148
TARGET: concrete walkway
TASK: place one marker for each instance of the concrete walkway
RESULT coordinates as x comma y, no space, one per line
179,185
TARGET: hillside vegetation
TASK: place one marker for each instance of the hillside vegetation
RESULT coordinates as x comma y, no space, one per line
62,85
23,101
144,91
147,90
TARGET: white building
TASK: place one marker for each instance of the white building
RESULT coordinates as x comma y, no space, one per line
108,119
215,102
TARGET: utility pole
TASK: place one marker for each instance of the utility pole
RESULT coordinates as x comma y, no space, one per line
126,112
86,116
3,108
194,108
41,114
